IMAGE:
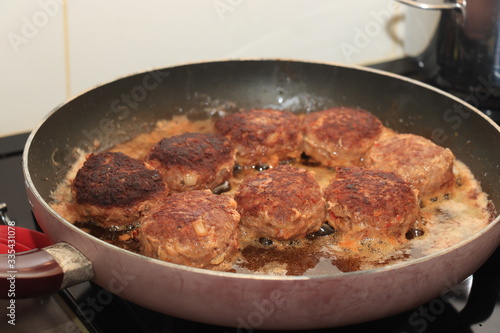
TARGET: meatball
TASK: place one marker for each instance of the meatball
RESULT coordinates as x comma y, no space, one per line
425,165
114,190
340,136
262,136
193,161
195,228
371,204
283,203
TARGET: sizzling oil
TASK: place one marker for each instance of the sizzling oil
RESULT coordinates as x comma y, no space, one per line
446,220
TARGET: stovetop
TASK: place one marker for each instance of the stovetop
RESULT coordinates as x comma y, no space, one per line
472,306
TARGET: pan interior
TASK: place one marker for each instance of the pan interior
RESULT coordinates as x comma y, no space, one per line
123,108
119,110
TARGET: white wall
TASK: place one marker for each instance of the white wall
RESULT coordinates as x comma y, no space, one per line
51,50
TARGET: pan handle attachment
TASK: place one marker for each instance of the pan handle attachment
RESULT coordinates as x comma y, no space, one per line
42,272
459,5
30,266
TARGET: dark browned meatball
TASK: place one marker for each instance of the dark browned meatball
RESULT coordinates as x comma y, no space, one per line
194,228
193,161
425,165
114,190
282,203
371,204
262,136
340,136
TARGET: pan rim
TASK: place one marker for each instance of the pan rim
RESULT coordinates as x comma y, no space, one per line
31,187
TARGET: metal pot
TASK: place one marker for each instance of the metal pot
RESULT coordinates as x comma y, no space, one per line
118,110
457,45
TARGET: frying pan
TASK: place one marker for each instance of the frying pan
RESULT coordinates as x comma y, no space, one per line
123,108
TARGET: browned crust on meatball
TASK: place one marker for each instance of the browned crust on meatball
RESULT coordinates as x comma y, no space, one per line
282,203
193,161
340,135
113,189
425,165
194,228
371,204
262,136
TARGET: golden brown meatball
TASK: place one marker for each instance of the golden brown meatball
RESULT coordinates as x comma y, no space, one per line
340,135
425,165
114,190
262,136
371,204
193,161
194,228
282,203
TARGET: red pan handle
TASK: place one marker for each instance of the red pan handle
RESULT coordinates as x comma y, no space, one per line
28,270
42,272
30,266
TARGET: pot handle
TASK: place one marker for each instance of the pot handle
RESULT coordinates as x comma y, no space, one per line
42,272
459,4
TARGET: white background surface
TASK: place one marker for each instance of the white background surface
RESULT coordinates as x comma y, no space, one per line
51,50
